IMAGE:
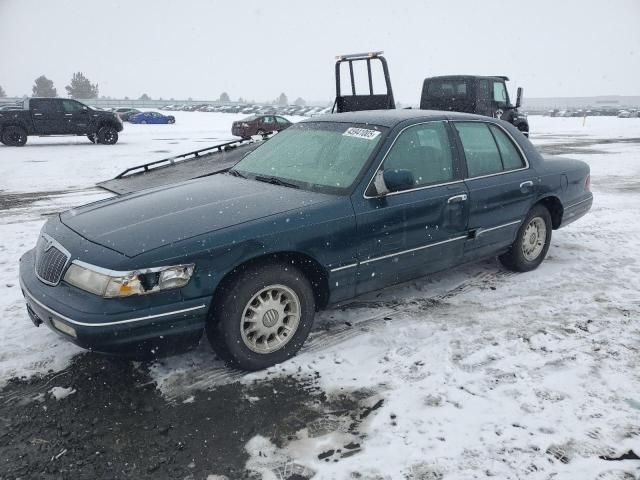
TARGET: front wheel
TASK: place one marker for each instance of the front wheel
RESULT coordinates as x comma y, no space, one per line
532,242
107,136
13,136
262,316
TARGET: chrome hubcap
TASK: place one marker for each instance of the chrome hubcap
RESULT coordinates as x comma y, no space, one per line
270,319
534,238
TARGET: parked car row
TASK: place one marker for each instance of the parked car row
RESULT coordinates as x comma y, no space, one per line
250,109
601,112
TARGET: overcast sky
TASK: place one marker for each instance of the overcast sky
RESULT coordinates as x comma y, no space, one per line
257,49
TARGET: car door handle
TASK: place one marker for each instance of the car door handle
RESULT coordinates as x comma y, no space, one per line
526,184
37,114
457,198
68,114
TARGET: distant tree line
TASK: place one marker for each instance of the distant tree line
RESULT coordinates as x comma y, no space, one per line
81,87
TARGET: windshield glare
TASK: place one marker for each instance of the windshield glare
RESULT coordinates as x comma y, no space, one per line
323,156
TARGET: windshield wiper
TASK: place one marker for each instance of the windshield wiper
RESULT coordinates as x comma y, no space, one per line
236,173
275,181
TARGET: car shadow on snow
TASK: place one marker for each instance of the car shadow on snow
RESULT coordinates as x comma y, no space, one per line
104,418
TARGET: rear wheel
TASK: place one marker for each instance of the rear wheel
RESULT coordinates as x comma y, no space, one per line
107,135
14,136
261,133
262,316
532,242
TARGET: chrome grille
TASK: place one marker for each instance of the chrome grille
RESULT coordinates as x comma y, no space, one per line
51,260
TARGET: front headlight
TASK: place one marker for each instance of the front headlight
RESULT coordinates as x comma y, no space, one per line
110,284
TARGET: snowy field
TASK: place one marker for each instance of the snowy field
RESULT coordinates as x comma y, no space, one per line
471,373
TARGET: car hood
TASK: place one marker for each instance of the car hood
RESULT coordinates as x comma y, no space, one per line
143,221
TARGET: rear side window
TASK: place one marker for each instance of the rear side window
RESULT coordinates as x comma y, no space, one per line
487,149
480,149
447,88
425,151
45,106
511,158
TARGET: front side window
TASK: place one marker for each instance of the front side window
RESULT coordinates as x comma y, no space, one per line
425,151
321,156
267,120
70,106
499,93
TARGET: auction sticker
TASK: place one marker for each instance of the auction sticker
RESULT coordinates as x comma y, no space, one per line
361,133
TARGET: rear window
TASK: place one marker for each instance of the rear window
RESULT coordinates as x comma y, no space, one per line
447,88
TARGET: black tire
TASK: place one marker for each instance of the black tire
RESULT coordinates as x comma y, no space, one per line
171,120
143,122
14,136
107,135
92,137
226,320
261,132
529,235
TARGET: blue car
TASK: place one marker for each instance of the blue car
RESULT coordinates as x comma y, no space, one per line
330,208
151,117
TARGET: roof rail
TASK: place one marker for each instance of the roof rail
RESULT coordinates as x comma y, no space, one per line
354,56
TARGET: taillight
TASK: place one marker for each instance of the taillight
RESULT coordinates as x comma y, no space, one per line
587,183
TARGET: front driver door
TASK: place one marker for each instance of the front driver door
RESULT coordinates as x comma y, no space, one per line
77,117
420,228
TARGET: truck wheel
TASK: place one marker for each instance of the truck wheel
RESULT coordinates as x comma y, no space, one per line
14,136
262,316
532,242
92,137
107,136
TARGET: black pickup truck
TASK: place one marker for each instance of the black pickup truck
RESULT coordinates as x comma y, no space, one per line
57,116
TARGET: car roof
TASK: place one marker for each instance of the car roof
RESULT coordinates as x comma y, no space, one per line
390,118
445,77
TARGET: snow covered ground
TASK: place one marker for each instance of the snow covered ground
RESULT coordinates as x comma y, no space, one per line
471,373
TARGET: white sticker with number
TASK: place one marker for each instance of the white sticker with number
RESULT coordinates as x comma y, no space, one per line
361,133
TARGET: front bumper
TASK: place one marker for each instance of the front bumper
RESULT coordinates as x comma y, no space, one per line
104,325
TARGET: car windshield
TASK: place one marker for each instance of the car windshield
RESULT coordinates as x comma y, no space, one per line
321,156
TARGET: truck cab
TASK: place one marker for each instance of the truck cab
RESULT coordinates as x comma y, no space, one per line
486,96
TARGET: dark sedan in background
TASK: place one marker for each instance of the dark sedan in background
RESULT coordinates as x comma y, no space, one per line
152,117
259,125
329,209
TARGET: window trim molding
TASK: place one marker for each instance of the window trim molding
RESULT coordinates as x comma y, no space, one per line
460,154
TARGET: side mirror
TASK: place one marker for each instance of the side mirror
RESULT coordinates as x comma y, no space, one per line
397,179
519,97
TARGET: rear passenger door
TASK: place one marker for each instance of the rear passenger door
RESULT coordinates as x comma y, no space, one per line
420,228
47,115
501,185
